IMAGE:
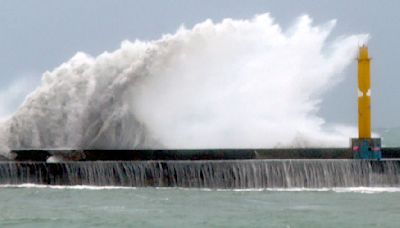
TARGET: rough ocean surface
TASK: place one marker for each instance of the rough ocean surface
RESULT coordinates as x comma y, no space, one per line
88,206
236,83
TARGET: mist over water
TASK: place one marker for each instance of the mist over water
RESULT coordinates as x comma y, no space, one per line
235,83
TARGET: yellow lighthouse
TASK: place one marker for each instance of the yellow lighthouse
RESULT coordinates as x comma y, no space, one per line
365,147
364,94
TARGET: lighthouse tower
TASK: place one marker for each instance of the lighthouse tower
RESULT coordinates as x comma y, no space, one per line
365,147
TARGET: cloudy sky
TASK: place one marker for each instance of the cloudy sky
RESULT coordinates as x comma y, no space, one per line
36,36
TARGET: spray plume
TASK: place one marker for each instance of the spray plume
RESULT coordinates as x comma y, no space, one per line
237,83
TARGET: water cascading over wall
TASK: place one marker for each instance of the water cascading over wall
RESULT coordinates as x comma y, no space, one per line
227,174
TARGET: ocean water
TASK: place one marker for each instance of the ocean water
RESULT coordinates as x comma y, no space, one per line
85,206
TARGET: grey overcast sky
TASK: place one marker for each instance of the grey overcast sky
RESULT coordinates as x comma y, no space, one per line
36,36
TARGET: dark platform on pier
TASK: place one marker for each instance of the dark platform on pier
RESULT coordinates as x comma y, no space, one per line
194,154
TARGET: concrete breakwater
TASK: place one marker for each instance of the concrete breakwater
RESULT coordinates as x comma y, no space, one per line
192,154
225,174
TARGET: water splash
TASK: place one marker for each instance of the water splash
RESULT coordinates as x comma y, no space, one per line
237,83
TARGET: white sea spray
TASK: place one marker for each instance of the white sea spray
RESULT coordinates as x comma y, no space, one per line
232,84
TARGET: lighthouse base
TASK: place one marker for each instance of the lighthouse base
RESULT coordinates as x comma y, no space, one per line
366,148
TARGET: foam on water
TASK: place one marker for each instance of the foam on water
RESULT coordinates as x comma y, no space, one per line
90,187
77,187
236,83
